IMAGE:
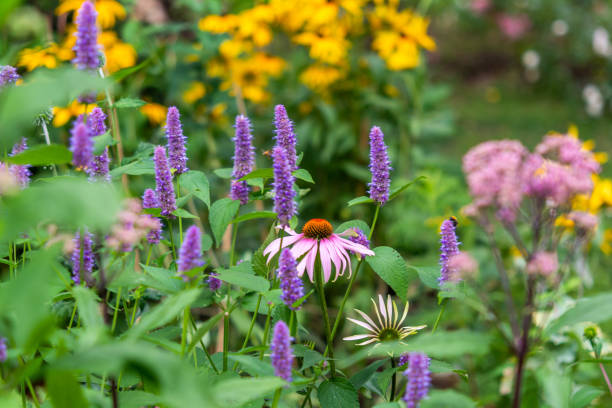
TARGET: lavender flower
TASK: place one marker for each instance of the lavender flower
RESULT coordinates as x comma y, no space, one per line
21,172
403,359
419,379
191,250
95,122
8,75
284,206
380,166
359,238
164,190
81,145
285,135
449,247
86,47
281,355
176,141
244,159
150,201
99,167
82,256
213,282
2,349
290,283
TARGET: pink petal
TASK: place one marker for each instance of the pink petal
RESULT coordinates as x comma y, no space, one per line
325,261
302,246
312,256
355,247
287,229
333,255
274,246
338,255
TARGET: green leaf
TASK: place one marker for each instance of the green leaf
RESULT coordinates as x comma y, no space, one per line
137,399
445,399
42,155
309,357
428,274
196,182
596,309
124,103
360,200
165,312
221,214
364,375
391,267
304,175
161,279
224,173
365,228
100,142
89,310
64,390
254,215
121,74
238,391
393,404
135,168
338,392
584,396
259,173
396,191
203,329
253,365
244,280
179,212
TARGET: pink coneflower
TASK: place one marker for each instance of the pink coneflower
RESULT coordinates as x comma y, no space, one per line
318,237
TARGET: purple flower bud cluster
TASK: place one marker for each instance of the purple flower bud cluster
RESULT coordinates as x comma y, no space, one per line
82,256
285,135
449,246
359,238
290,283
244,159
86,47
150,201
95,122
191,251
214,283
419,379
380,166
3,349
21,172
81,145
281,354
403,359
99,167
8,75
493,171
177,157
164,190
284,205
543,263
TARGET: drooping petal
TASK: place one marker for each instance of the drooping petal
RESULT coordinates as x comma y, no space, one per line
302,246
367,319
312,256
337,257
362,324
377,313
358,337
353,246
325,261
274,246
383,309
395,314
403,314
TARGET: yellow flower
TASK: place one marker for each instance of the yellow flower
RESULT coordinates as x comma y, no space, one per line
155,112
32,58
61,115
108,10
195,91
328,45
320,77
217,113
564,222
118,54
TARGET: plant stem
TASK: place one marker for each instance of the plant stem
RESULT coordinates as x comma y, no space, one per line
523,344
233,247
116,312
226,328
393,380
74,309
321,291
293,324
171,233
212,364
374,222
248,335
442,308
266,332
184,333
48,141
605,374
277,395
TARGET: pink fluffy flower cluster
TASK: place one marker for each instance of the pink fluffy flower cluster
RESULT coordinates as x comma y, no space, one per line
500,173
132,227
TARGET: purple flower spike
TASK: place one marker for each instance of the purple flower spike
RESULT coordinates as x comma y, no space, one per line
176,141
380,166
82,265
360,239
95,122
284,206
191,250
3,349
8,75
99,167
21,172
290,283
149,200
81,145
449,246
419,379
86,48
244,159
281,356
164,190
285,135
403,359
213,282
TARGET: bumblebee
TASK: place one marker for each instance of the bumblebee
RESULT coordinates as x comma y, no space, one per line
453,219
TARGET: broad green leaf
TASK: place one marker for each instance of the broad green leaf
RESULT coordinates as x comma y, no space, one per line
165,312
391,267
428,274
129,103
584,396
6,7
100,142
304,175
161,279
224,173
445,399
179,212
64,390
124,73
221,214
309,357
42,155
556,385
238,391
365,228
596,309
89,310
203,329
393,404
258,262
135,168
364,375
360,200
253,365
338,392
196,182
137,399
259,173
254,215
244,280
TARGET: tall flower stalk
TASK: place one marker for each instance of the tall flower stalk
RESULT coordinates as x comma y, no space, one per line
285,135
380,166
177,157
164,189
284,205
244,159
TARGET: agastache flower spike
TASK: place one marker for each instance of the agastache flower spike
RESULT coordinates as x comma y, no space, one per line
290,283
284,206
2,349
86,48
191,250
163,183
82,266
285,135
150,201
99,167
449,246
81,145
380,166
20,171
8,75
95,122
244,159
419,379
281,356
176,141
213,282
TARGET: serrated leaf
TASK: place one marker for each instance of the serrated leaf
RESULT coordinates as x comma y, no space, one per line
125,103
445,399
584,396
221,214
42,155
259,173
594,309
365,228
360,200
87,303
180,212
363,376
254,215
428,274
238,391
224,173
304,175
196,182
102,141
391,267
203,329
396,191
244,280
136,168
64,390
253,365
338,392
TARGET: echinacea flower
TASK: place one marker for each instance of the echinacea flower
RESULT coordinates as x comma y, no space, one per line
284,206
389,327
318,237
285,135
8,75
419,379
449,246
290,283
191,250
380,166
86,48
164,190
176,141
244,159
82,256
281,356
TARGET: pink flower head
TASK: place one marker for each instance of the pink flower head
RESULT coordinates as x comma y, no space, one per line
318,237
584,221
543,263
461,266
513,26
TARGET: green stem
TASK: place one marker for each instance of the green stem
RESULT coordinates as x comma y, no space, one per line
226,328
393,380
293,324
266,332
321,291
374,222
134,311
171,233
116,312
74,309
277,395
233,247
212,364
442,308
186,315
